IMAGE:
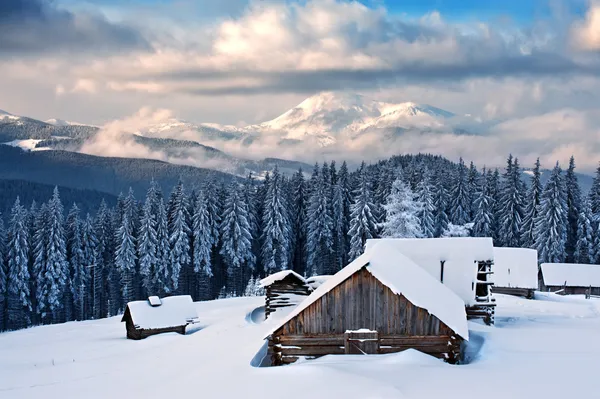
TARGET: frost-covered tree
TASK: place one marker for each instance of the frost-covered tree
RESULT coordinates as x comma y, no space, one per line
532,203
363,224
402,210
460,208
511,205
584,251
455,230
237,246
203,240
345,184
339,230
89,249
573,210
3,281
594,196
163,278
319,233
105,283
426,198
472,184
298,218
276,227
483,208
551,223
17,293
79,272
147,243
179,237
440,202
125,258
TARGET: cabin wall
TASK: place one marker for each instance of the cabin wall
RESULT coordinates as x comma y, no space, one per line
574,290
284,293
362,302
524,292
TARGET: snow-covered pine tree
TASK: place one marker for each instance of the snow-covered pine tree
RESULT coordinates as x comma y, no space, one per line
276,227
147,242
79,274
162,279
494,184
594,196
237,245
426,198
40,243
17,292
89,249
551,223
363,224
319,232
532,203
584,251
472,183
440,202
402,210
511,205
3,274
31,217
203,240
573,210
298,202
339,230
103,290
484,208
249,291
125,258
253,221
460,207
179,238
346,188
384,179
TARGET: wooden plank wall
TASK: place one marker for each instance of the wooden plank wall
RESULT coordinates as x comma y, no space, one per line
284,293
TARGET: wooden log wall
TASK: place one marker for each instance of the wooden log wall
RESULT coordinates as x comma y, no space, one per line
284,293
524,292
485,307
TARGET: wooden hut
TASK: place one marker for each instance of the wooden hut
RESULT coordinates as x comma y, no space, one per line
155,316
515,271
283,289
380,303
571,279
463,264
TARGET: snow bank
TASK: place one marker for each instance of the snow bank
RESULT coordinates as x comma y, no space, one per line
172,311
515,268
265,282
571,274
460,256
403,277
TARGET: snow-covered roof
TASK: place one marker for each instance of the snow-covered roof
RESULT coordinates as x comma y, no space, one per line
265,282
460,256
315,281
403,277
173,311
515,268
574,275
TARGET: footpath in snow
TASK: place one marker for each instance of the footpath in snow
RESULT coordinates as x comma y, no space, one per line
547,348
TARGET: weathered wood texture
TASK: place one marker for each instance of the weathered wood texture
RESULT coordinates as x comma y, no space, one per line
140,333
524,292
362,302
283,293
567,290
485,307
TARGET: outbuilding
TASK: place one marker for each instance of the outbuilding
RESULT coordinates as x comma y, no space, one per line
284,289
463,264
380,303
515,271
155,316
571,278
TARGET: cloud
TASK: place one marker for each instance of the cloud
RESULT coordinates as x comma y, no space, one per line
34,27
586,33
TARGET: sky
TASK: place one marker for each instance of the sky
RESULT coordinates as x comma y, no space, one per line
531,66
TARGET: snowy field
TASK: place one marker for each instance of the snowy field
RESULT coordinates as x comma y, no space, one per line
547,348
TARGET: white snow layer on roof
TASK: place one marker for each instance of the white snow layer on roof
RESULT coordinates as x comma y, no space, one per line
315,281
278,277
460,256
174,311
403,277
515,268
574,275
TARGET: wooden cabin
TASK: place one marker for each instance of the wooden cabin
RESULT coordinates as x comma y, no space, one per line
380,303
515,271
283,289
463,264
155,316
571,279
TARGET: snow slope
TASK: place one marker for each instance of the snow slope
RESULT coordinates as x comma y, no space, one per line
546,348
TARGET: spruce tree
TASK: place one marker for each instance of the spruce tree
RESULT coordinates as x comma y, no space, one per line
339,230
440,202
472,184
77,265
147,243
163,278
484,208
319,233
103,291
203,241
276,227
532,203
3,281
594,196
551,223
584,251
17,293
179,238
511,205
346,191
298,221
573,210
363,224
125,258
402,210
89,249
426,198
460,208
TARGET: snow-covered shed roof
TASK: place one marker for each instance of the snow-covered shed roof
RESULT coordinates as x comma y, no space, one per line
173,311
265,282
459,254
571,274
515,268
315,281
403,277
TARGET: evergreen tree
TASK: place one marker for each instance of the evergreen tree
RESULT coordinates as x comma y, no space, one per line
148,240
402,210
460,204
203,243
484,209
320,229
298,221
440,202
551,223
89,250
17,293
179,238
363,224
125,257
276,230
339,230
594,196
472,184
494,183
584,251
163,278
103,290
531,207
427,212
573,210
79,277
511,205
346,191
40,243
3,280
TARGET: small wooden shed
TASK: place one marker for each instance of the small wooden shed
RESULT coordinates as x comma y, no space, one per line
571,278
515,271
283,289
463,264
380,303
155,316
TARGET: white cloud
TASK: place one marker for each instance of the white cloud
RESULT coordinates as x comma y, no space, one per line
586,33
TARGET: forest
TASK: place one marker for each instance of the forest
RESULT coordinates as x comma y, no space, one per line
216,239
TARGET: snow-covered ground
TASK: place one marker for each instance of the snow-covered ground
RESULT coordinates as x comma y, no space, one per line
547,348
